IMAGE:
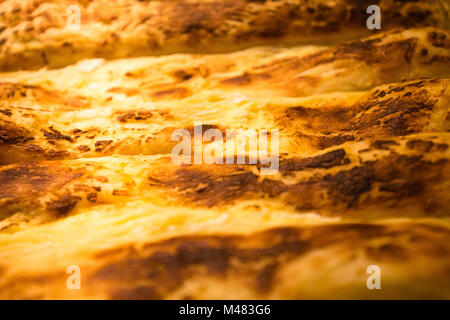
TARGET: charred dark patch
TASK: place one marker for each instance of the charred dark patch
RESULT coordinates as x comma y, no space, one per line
137,115
324,142
324,161
348,186
426,146
100,145
63,205
407,188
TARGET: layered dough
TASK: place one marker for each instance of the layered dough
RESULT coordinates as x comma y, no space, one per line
87,176
37,33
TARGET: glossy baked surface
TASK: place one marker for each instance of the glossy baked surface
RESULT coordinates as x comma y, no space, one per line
87,178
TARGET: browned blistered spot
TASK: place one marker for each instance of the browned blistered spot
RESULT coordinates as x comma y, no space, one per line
397,110
439,39
11,133
438,59
54,134
92,197
49,154
100,145
182,75
373,51
10,90
160,268
119,192
174,93
6,112
209,187
33,148
383,144
187,73
394,114
56,154
426,146
138,115
84,148
324,119
63,205
30,179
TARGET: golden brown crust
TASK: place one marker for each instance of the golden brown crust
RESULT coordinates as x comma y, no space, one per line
306,126
260,261
87,178
375,178
35,33
392,56
264,265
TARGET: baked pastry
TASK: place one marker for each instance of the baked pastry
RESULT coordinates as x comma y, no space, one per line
361,126
38,33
